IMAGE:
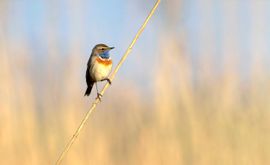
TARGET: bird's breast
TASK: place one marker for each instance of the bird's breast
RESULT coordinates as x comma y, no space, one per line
101,68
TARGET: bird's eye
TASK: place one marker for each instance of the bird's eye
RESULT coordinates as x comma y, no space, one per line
102,48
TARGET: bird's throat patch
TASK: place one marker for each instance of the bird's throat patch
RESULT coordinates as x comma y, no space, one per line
104,61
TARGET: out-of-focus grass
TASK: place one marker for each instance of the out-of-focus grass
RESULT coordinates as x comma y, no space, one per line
213,121
205,116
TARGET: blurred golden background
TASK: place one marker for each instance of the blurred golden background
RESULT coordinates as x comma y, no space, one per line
194,91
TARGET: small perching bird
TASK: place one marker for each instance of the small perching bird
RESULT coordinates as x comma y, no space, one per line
99,67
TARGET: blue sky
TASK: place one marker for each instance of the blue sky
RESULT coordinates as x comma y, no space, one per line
38,24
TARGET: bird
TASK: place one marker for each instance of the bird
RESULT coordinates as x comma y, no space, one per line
99,67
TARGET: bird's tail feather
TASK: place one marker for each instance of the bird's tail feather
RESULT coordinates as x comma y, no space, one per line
88,90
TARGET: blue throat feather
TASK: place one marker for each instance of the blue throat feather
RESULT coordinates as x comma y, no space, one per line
105,55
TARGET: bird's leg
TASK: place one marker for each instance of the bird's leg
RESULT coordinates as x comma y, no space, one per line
98,94
108,80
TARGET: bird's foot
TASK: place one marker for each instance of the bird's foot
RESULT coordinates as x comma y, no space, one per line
108,80
99,96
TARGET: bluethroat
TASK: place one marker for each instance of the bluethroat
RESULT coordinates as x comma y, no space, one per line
99,67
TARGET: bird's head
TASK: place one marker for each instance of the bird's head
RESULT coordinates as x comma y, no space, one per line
102,51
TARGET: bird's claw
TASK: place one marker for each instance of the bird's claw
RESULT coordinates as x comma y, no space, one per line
109,81
99,96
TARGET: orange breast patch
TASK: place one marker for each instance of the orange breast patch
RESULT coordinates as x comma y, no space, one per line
104,61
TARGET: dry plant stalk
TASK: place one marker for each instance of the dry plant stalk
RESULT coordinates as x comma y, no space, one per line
94,104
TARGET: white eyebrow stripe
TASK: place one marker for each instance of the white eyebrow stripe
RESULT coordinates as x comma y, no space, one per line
100,47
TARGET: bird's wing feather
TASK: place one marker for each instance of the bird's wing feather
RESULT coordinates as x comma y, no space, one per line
90,82
89,79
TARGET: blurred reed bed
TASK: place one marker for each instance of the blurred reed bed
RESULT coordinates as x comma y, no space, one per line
213,121
203,115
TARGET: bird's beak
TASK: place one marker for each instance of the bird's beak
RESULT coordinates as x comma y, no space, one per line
110,48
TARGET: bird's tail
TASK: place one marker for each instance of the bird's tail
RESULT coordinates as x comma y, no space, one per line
88,90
